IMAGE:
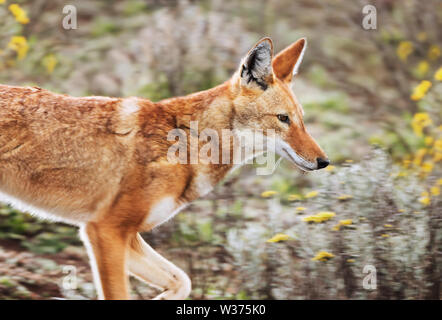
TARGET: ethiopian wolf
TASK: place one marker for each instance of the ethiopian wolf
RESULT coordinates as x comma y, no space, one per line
102,163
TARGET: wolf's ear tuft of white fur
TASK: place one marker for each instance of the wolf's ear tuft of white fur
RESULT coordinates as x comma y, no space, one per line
256,68
287,62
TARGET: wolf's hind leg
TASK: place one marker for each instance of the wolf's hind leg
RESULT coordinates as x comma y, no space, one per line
145,263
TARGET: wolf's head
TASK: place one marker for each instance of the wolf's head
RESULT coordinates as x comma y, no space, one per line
265,101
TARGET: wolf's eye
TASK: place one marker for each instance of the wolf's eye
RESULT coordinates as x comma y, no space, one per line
284,118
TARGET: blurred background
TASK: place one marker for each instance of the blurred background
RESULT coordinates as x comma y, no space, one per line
372,99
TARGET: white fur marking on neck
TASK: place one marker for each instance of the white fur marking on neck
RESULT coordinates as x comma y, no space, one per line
129,106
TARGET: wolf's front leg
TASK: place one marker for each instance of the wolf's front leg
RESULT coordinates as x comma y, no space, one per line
145,263
107,246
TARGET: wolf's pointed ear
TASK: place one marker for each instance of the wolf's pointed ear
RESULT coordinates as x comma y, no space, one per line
256,67
287,62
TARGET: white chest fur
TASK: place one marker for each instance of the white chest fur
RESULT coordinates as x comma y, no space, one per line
162,211
168,207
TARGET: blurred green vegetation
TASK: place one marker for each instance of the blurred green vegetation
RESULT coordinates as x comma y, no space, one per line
37,236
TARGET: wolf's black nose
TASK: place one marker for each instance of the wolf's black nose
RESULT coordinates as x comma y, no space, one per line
322,163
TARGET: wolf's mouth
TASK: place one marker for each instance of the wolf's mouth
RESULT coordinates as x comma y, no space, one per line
300,165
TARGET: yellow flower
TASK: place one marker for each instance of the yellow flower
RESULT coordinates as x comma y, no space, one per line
310,219
19,14
268,194
385,235
330,168
350,260
319,217
401,210
50,61
323,256
428,141
435,191
404,49
438,145
342,223
2,1
433,52
294,197
346,222
279,237
344,197
388,226
427,167
311,194
425,201
300,208
349,160
421,90
416,212
420,121
422,68
420,154
438,74
437,156
325,215
20,45
439,182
